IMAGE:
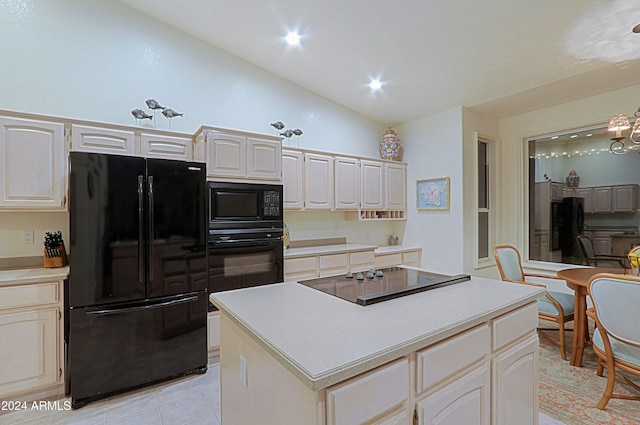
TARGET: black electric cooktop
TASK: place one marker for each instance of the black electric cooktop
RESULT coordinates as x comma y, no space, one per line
380,285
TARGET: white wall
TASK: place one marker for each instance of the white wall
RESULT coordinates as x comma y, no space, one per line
433,146
590,111
97,60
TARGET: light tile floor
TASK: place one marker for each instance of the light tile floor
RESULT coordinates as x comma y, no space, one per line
192,400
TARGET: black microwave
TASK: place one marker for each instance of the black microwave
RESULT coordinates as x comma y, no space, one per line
245,205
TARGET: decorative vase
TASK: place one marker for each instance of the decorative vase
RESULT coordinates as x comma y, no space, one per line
573,179
389,145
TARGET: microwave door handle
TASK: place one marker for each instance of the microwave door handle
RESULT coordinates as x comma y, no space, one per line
140,229
150,219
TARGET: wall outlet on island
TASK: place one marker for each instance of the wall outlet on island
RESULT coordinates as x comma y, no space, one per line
243,370
27,237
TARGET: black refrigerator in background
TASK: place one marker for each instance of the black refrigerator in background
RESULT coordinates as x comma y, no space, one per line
571,225
137,288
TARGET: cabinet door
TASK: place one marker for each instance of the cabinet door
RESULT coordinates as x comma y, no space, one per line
292,179
586,194
226,155
601,199
318,182
396,187
412,258
602,245
347,183
33,164
29,352
213,330
624,198
465,401
264,159
103,140
371,184
515,381
168,147
567,192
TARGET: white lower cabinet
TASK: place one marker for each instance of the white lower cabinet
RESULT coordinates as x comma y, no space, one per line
411,257
29,356
30,335
369,396
465,401
515,384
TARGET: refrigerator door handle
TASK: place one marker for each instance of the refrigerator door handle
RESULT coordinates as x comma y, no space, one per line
140,229
109,311
150,236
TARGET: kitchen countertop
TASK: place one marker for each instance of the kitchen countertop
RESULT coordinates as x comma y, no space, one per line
324,340
348,247
326,249
32,275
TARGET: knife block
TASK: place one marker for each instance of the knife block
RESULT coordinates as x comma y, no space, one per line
61,261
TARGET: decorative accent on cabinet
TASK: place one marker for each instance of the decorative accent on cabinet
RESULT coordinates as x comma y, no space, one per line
390,145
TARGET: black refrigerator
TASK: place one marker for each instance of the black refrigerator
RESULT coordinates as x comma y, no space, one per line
571,225
136,295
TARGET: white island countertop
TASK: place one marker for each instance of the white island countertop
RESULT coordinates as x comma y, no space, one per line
324,340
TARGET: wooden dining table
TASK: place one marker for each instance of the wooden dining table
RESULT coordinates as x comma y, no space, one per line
578,279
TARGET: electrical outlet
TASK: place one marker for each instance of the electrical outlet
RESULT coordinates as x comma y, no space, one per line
243,371
27,237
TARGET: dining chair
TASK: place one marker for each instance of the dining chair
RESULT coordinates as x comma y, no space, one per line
616,340
556,307
591,258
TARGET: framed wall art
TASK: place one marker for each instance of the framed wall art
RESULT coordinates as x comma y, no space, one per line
433,194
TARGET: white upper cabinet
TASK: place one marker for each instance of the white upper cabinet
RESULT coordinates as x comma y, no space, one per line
226,155
103,140
235,155
318,182
293,179
396,188
371,184
264,159
33,165
167,147
347,183
624,198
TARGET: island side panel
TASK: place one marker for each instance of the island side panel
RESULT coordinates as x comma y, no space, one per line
272,394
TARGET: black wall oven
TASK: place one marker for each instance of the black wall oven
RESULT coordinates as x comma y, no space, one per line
245,236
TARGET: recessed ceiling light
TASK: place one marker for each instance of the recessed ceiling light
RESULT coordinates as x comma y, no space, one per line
573,136
636,29
590,134
375,85
293,38
554,137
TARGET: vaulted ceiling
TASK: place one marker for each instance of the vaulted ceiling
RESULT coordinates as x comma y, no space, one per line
503,57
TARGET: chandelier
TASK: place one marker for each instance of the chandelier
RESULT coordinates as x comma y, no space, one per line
619,123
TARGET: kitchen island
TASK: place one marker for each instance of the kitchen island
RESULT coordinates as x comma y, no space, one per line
465,353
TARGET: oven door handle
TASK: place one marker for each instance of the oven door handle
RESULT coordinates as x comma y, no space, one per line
253,241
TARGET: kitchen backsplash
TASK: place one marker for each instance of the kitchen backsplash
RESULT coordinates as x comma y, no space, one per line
333,224
13,226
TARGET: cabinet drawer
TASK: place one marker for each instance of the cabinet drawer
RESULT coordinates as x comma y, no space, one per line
28,295
451,356
411,258
334,261
388,260
300,265
364,397
513,325
359,259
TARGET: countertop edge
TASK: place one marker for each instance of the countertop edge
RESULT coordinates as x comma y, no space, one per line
32,275
355,368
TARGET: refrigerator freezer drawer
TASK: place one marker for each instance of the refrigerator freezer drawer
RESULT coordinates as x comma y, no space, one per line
113,350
